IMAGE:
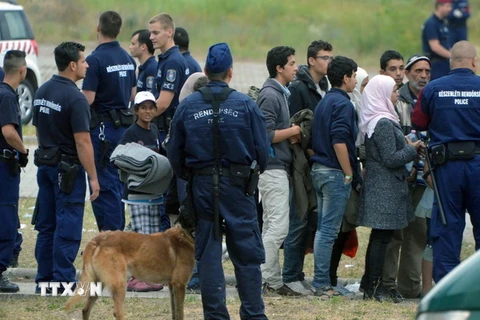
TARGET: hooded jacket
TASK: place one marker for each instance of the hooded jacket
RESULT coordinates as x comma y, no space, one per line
273,102
304,93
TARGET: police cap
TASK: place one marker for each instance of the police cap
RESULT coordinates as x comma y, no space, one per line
219,58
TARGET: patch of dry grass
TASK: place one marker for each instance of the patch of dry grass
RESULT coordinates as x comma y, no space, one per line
276,308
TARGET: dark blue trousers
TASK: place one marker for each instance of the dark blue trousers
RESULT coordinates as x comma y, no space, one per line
108,208
459,190
244,244
59,224
9,195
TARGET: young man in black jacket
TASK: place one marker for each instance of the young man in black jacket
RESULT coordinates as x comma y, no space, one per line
311,84
306,91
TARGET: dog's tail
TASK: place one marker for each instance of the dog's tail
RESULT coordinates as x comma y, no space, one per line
88,276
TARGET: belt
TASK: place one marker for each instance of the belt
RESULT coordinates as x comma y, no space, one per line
8,154
209,171
70,159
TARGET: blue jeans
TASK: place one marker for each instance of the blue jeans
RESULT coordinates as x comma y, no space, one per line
294,245
332,196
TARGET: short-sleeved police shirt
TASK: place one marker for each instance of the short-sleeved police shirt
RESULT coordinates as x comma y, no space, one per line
9,112
59,111
111,75
193,65
434,29
171,75
146,76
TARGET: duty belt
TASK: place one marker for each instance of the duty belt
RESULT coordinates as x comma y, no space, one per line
8,154
209,171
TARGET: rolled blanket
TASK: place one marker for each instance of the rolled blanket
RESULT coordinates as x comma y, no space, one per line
142,169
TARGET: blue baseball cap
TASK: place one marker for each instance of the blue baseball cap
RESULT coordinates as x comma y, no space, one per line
219,58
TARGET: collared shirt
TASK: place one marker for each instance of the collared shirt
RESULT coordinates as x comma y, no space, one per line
172,72
435,29
111,75
59,111
193,65
146,76
10,112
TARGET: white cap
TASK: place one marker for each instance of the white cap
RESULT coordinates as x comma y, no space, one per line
143,96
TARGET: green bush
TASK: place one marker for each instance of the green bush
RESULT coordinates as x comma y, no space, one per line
359,29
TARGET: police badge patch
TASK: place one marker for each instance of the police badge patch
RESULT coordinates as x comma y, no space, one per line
171,75
150,82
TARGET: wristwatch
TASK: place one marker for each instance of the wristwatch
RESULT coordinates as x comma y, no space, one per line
349,177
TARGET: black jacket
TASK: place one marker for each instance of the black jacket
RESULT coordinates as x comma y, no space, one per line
303,91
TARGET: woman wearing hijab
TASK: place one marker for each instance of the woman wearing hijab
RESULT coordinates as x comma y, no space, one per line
384,204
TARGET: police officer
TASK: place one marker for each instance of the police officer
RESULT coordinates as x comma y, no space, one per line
182,40
12,156
109,86
241,141
449,109
172,70
62,118
172,73
435,39
141,47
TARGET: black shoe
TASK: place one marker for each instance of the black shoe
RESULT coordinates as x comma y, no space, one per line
13,261
7,286
395,294
378,292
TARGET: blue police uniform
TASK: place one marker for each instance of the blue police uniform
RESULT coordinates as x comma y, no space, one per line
242,139
193,65
111,75
10,190
146,76
457,21
59,111
436,29
450,108
172,72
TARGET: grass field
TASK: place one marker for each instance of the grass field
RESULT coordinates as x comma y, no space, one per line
309,308
359,29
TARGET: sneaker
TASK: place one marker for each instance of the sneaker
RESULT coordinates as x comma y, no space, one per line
286,291
269,291
137,286
7,286
307,286
297,286
195,289
395,294
155,287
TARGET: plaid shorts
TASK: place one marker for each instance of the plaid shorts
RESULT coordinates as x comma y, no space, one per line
145,218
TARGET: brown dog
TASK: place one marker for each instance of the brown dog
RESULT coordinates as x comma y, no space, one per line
155,258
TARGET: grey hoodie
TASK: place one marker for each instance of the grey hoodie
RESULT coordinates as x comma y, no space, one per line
273,102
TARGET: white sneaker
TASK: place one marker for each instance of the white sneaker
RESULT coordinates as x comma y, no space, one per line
307,286
297,286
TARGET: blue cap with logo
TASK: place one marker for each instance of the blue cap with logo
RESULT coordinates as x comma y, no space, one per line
219,58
